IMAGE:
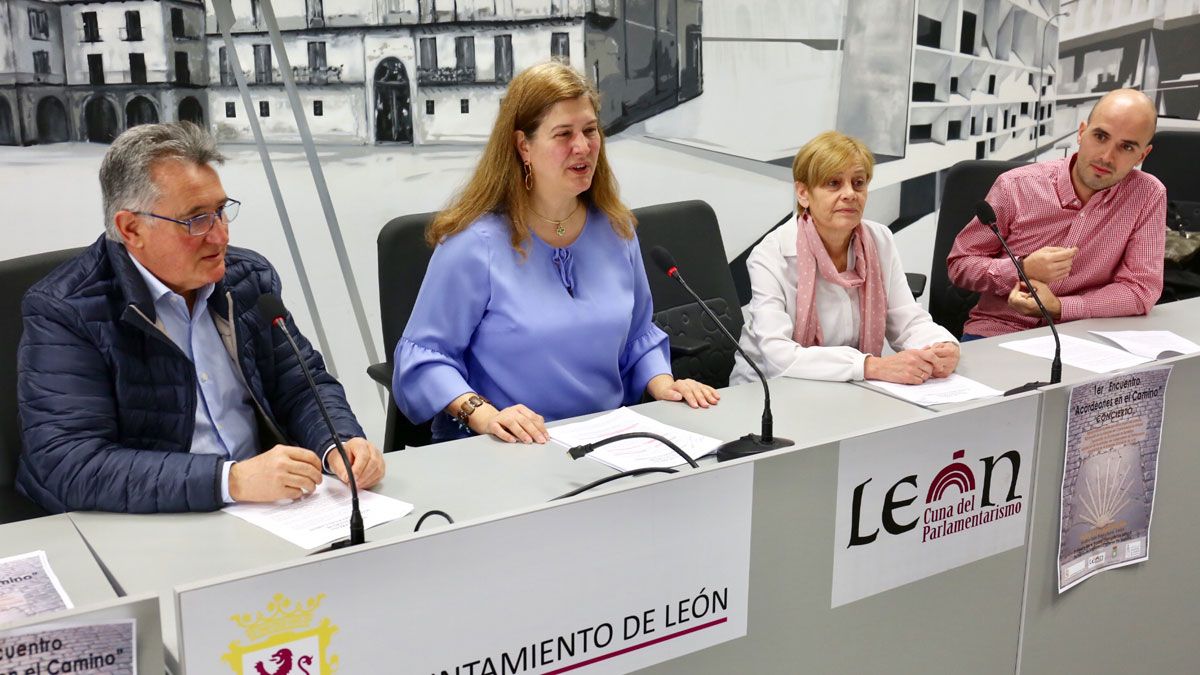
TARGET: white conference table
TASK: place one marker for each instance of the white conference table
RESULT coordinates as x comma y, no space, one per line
469,479
479,477
66,552
986,361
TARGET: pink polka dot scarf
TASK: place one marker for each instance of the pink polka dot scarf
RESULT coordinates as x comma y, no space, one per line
866,276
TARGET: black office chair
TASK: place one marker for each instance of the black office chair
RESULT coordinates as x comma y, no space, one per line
16,276
689,230
967,183
403,259
1173,161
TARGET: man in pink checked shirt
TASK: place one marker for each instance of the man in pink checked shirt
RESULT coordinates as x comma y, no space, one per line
1088,230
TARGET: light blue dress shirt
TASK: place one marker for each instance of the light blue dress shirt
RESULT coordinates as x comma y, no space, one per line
565,331
225,423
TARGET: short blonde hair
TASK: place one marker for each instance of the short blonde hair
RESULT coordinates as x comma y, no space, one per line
829,153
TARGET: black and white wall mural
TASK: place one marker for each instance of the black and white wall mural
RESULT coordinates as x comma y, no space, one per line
339,115
367,71
1150,46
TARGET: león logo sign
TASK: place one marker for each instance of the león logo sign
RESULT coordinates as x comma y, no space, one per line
952,503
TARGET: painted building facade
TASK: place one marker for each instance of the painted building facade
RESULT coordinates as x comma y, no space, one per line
85,70
419,71
33,104
366,71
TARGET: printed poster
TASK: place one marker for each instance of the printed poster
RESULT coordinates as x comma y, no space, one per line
28,587
1110,468
107,648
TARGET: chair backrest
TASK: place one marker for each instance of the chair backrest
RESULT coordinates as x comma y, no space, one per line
741,273
16,276
689,230
403,259
1172,161
967,183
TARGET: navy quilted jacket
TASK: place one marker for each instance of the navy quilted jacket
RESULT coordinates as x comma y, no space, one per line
108,402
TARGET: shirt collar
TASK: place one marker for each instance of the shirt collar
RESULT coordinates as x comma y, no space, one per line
159,291
1067,198
788,245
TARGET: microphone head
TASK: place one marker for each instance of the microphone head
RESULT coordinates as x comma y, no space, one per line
664,260
985,213
270,308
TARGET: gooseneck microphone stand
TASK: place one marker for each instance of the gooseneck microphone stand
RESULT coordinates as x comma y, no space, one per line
987,216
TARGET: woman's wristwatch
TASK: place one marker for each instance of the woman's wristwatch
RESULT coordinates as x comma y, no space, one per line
475,402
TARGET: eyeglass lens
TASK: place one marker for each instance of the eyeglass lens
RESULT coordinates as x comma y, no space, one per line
203,223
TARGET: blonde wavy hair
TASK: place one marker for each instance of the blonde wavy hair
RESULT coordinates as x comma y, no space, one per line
497,185
826,154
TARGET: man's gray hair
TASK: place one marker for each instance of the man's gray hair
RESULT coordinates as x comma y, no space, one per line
125,181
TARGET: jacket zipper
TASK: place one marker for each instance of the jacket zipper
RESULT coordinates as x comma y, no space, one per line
237,362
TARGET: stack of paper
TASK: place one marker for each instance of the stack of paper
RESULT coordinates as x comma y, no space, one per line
1152,344
934,391
637,453
322,517
1078,353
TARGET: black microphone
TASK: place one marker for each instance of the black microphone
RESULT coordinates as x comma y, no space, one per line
271,309
750,444
987,216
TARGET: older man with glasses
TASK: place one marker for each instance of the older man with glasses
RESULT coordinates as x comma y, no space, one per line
147,381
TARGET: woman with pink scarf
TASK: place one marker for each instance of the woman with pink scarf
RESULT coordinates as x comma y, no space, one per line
828,286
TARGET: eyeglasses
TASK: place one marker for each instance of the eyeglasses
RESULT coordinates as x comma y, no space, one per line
200,225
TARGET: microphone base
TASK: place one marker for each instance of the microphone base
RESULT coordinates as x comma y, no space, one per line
340,544
750,444
1028,386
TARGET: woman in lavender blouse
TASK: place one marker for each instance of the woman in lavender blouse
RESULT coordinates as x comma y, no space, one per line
535,306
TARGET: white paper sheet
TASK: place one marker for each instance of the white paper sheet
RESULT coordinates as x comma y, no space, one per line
635,453
1078,353
28,587
1150,343
952,389
322,517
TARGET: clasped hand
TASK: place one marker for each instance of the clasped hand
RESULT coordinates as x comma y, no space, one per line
289,472
1049,263
1021,300
913,366
1043,267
